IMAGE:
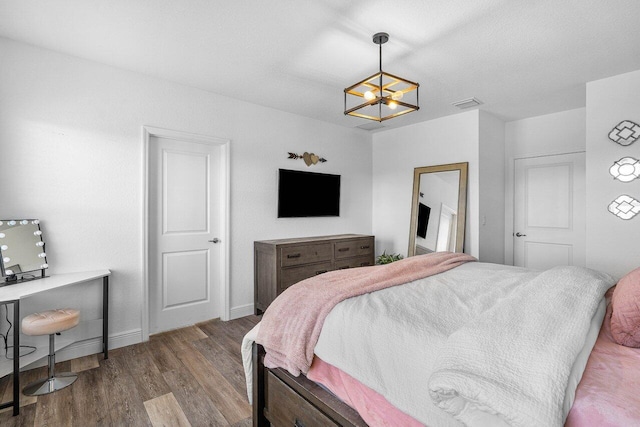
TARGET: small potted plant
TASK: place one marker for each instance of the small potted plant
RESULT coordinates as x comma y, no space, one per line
386,259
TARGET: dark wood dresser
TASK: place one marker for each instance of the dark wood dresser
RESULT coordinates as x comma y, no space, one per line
279,264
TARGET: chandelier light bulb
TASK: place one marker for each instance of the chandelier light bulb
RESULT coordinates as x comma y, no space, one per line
40,244
9,272
368,95
4,247
397,95
392,104
2,235
12,222
6,259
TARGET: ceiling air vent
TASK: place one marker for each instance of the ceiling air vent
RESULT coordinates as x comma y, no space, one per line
467,103
371,126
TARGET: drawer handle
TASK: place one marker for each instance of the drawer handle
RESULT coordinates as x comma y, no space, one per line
321,271
364,247
297,423
364,264
293,256
344,268
343,249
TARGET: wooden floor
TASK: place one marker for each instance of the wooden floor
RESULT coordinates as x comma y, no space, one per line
190,376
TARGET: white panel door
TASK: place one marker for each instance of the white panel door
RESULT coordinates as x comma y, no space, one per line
549,223
184,230
446,240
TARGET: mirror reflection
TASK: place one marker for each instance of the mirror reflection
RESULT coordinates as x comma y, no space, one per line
438,211
21,247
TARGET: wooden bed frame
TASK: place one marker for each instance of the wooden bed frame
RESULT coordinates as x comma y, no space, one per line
280,399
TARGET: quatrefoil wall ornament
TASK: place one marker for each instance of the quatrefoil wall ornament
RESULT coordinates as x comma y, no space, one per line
625,207
626,169
626,133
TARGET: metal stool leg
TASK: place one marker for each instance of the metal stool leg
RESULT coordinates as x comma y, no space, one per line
52,356
53,382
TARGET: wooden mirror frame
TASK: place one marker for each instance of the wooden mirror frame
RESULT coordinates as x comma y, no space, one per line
462,202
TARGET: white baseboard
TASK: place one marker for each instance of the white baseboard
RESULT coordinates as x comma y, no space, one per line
241,311
91,346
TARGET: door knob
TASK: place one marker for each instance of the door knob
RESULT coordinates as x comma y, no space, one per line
215,240
520,235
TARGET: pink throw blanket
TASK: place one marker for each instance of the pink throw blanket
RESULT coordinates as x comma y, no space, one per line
607,395
291,325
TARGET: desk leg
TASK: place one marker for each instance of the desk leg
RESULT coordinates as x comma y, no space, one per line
16,357
105,316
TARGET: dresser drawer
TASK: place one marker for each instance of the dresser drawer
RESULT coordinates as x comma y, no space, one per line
362,261
287,408
296,255
292,275
353,248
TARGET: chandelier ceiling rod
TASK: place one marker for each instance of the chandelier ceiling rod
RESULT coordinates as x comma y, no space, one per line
380,39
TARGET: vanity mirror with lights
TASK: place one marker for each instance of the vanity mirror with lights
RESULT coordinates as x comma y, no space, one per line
438,209
22,250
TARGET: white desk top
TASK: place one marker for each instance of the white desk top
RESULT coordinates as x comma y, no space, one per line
24,289
21,290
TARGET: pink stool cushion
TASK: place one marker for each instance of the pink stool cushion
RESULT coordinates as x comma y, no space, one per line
50,321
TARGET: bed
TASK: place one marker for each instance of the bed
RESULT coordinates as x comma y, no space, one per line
467,343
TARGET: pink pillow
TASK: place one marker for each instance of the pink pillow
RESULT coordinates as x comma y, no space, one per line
625,319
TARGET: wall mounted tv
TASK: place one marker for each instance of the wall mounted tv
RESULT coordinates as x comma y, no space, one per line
307,194
423,220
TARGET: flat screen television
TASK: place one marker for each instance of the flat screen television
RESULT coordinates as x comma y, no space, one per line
423,219
307,194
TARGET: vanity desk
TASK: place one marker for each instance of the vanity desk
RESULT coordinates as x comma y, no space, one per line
14,293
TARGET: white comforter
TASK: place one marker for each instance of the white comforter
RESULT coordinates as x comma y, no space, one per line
513,333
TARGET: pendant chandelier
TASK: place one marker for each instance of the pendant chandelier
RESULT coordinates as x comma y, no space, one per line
385,96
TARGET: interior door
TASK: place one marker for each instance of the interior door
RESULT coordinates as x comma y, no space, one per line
550,207
446,229
184,230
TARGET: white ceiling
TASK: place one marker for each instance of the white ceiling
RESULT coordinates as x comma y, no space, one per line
522,58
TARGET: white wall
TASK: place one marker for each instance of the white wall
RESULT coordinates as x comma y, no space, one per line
556,133
491,183
396,152
612,243
71,154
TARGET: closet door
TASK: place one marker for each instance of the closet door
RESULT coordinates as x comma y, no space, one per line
550,208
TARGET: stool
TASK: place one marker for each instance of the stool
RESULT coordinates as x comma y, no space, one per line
50,322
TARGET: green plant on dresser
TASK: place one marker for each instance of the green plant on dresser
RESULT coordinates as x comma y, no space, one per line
386,259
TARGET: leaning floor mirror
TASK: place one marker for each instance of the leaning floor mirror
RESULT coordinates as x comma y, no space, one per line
438,209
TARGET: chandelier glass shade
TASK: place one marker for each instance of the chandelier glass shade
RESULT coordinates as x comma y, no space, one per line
381,96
